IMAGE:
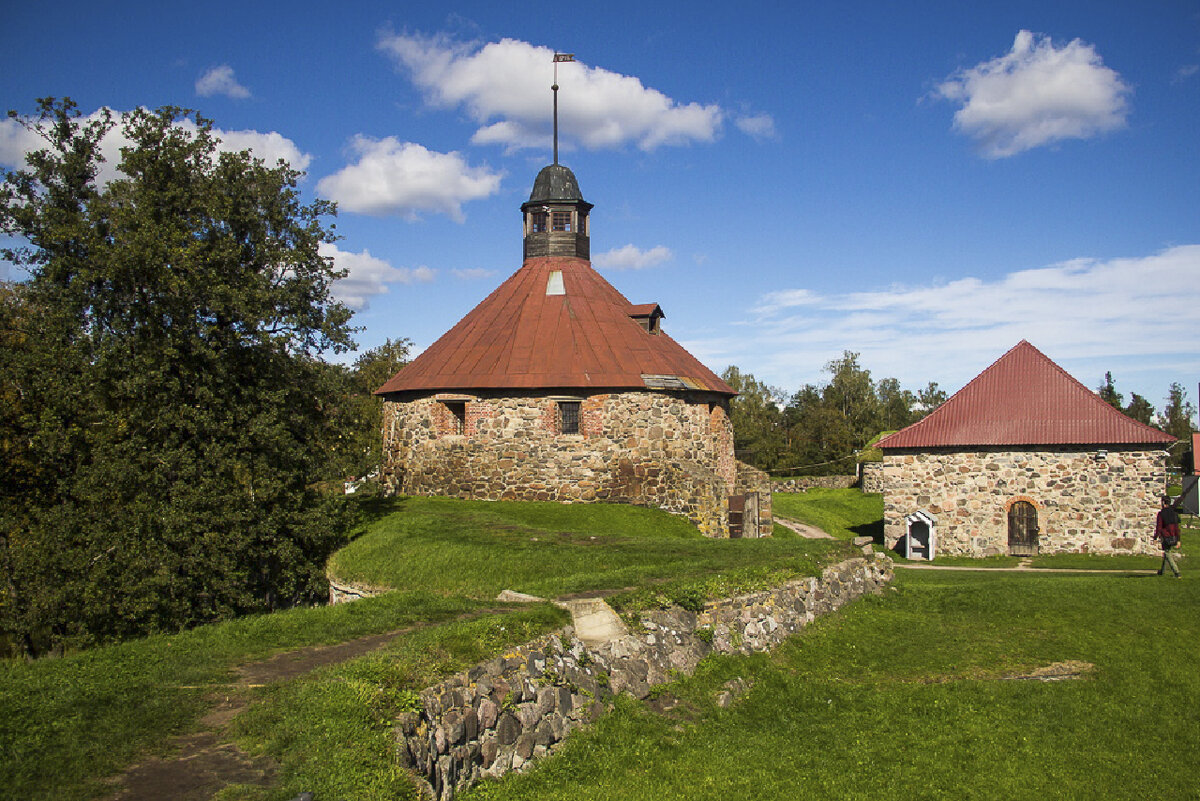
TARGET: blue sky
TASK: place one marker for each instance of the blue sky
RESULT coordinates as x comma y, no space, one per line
925,184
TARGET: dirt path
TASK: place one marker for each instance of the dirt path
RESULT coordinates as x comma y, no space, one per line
203,761
803,529
1025,568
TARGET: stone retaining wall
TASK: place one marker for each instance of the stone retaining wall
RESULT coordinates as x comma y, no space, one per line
343,592
500,715
872,476
809,482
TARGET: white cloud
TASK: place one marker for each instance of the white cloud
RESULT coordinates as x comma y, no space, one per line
1035,95
632,258
1122,314
403,178
473,273
1185,72
221,81
757,126
504,88
16,141
368,276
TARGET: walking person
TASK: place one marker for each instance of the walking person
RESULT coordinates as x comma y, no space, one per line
1166,530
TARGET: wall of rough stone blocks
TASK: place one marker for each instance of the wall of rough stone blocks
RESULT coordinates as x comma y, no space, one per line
1087,501
671,451
803,483
503,714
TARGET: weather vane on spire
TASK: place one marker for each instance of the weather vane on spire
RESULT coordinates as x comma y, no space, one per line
554,87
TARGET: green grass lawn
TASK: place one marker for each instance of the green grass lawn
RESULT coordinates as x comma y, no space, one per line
841,513
914,695
68,722
905,695
477,549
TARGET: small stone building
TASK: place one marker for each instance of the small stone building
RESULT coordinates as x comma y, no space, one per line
556,387
1024,460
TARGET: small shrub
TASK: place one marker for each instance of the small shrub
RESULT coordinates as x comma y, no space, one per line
691,598
705,634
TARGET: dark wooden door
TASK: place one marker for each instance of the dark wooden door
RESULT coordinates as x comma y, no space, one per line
1022,529
750,516
737,508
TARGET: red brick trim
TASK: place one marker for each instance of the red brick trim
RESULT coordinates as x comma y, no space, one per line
1036,503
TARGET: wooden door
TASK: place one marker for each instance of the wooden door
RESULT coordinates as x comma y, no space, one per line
1022,529
737,508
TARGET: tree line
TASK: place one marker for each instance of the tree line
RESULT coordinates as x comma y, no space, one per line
168,421
821,428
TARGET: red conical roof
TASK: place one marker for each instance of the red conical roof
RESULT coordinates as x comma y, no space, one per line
554,324
1023,398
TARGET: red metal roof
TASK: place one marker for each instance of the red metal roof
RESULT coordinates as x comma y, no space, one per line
1023,398
554,324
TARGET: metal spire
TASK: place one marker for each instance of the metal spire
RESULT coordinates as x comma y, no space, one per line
554,87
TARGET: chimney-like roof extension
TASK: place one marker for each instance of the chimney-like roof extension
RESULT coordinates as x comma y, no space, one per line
554,324
1024,399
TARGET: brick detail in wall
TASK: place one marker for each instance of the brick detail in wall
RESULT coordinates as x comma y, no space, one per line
1086,503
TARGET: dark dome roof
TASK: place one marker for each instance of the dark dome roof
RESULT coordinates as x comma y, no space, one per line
555,182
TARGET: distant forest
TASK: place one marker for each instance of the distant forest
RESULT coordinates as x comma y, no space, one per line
820,429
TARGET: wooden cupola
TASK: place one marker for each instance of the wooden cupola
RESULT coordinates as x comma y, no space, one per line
556,216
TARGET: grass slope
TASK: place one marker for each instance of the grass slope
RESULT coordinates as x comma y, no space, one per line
841,513
477,549
910,696
67,723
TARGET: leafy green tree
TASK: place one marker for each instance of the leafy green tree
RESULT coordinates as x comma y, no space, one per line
174,411
756,415
929,399
1139,409
357,449
897,407
851,393
1108,392
1176,419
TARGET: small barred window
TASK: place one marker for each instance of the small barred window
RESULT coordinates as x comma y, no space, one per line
568,417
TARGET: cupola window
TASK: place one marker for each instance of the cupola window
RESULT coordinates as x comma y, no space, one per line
560,221
538,221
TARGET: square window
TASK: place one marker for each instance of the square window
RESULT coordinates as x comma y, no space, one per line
560,220
537,222
568,417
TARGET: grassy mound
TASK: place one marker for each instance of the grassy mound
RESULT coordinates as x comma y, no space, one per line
476,549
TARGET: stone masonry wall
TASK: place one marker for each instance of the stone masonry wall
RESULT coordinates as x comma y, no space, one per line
500,715
871,479
809,482
1086,503
671,451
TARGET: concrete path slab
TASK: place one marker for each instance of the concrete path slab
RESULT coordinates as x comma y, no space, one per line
1032,570
803,529
594,620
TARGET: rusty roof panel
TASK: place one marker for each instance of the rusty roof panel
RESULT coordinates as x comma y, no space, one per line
1024,398
520,337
